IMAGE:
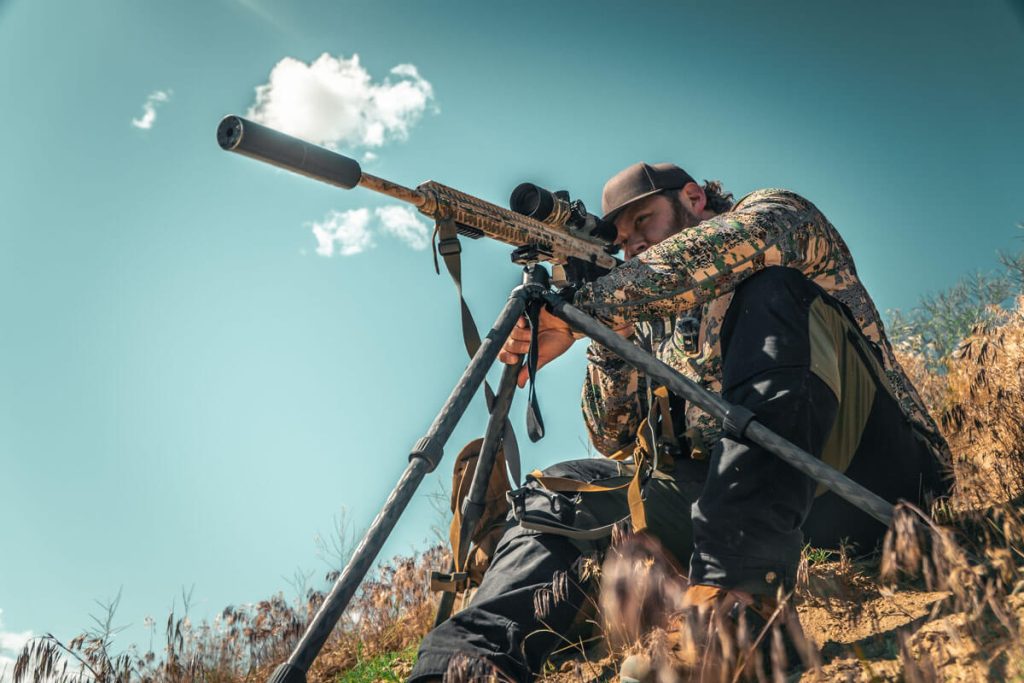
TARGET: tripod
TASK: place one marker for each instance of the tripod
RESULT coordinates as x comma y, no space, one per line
426,454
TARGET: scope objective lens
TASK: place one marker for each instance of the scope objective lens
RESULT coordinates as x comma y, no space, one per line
532,200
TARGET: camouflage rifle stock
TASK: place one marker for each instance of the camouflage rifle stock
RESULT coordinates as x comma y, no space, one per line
575,255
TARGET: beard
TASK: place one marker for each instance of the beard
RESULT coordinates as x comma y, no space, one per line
682,217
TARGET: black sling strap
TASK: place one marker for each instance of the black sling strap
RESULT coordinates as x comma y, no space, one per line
534,421
448,246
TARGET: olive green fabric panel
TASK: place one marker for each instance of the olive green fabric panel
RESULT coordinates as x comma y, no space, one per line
825,336
835,360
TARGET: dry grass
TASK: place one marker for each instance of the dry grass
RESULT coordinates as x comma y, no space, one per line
944,602
983,414
390,613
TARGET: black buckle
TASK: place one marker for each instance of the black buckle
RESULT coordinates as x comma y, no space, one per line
449,246
517,499
690,333
455,582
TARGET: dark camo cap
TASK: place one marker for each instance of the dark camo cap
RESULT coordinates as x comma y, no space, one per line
638,181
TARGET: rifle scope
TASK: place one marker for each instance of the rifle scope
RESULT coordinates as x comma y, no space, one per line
555,208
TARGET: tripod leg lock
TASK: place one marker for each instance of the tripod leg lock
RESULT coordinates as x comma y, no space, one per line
426,448
736,420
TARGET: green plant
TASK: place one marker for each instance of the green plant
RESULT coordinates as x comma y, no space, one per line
935,327
389,666
816,556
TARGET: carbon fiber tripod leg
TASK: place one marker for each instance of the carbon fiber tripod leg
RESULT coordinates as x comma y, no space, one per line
473,506
424,458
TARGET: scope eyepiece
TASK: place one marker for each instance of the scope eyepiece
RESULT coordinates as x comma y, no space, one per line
604,231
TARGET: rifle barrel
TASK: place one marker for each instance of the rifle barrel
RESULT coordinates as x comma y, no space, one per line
372,182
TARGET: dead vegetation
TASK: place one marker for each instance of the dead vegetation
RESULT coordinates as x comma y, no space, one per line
391,613
944,601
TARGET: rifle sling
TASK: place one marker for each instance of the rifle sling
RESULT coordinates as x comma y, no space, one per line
447,244
534,421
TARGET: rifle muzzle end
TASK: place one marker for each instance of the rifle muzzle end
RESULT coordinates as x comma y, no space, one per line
229,132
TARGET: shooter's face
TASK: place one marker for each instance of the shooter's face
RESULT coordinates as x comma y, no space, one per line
649,221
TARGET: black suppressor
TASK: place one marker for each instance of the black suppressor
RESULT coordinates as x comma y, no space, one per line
236,134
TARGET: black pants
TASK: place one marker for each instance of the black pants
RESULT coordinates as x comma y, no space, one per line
740,518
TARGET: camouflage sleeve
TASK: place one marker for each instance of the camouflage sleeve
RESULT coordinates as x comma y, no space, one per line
768,228
612,400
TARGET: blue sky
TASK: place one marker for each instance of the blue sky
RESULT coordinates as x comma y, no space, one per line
191,391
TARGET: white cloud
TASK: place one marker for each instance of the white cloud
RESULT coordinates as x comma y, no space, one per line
401,221
148,118
334,101
347,233
11,643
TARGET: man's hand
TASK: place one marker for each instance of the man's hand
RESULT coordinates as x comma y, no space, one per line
553,339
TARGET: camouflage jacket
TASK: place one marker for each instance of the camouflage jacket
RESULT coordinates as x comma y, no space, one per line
693,275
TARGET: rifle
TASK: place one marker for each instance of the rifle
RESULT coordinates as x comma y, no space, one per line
556,231
544,227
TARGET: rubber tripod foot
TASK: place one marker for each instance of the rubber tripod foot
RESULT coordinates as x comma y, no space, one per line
287,673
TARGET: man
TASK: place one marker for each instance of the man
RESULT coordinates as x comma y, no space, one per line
761,303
